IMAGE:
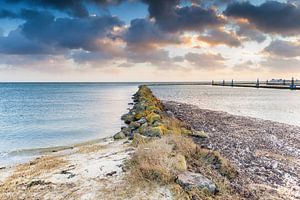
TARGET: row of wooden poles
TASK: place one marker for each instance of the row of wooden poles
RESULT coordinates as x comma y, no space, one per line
292,84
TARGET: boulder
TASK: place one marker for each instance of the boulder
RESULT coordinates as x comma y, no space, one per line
126,130
142,120
152,117
134,125
127,118
190,180
138,115
119,136
153,132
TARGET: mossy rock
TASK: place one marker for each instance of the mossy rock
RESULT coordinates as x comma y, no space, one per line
185,131
153,132
126,131
134,125
119,136
127,118
142,120
157,123
139,107
143,127
138,115
152,117
152,108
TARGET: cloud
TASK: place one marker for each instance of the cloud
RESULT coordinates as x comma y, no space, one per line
7,14
206,61
246,66
72,7
43,29
16,43
172,18
283,49
220,37
248,32
144,34
277,64
270,17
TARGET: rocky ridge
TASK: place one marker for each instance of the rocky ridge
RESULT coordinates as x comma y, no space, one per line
201,172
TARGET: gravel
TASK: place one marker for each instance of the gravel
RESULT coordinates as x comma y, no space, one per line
265,153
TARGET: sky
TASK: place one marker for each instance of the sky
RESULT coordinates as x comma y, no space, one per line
149,40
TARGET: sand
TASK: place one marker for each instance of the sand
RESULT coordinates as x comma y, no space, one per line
87,171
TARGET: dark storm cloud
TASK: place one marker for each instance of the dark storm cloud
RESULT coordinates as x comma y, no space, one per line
72,7
144,33
171,17
270,17
17,43
41,28
7,14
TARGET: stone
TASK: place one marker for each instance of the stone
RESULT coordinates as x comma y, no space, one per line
134,125
157,123
127,118
138,115
170,114
186,131
190,180
153,132
126,131
142,120
200,134
119,136
152,117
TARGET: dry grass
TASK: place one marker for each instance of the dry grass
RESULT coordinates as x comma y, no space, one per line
18,186
156,162
90,148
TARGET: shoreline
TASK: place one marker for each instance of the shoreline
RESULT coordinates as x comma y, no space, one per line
33,153
168,150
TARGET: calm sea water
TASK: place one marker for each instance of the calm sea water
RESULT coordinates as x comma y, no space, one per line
271,104
47,115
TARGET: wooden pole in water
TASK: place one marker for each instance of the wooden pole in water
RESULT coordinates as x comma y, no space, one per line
293,84
257,83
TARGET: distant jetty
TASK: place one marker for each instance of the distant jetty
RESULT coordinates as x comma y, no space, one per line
272,84
291,84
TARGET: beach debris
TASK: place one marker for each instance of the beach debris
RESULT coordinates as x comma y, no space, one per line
111,173
190,180
200,134
38,182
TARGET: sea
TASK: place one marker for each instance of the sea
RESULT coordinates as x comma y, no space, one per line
270,104
35,116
